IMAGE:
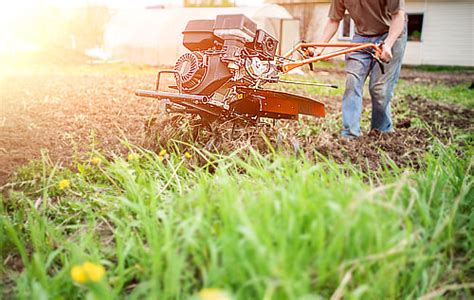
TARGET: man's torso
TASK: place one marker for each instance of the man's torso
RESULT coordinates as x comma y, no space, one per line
371,17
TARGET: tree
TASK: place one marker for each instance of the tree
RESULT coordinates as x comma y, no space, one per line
208,3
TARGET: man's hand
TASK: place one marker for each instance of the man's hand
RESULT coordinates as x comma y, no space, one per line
396,28
386,55
308,52
313,51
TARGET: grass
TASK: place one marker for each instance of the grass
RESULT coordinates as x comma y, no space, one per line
435,68
271,227
257,226
459,94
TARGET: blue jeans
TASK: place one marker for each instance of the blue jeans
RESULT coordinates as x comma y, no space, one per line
359,65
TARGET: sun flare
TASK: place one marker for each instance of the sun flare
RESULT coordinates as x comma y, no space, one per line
17,20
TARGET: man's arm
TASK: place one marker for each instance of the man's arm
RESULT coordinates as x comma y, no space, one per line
335,15
330,30
396,28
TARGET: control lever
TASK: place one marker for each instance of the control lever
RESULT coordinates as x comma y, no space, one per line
377,59
334,86
305,55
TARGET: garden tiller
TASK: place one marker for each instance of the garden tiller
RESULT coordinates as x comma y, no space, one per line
229,62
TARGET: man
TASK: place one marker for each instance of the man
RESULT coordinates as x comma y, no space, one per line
375,21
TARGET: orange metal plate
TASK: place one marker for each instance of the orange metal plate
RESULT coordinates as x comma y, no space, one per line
276,104
289,104
280,106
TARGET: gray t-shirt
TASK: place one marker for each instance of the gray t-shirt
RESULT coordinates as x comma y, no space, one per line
371,17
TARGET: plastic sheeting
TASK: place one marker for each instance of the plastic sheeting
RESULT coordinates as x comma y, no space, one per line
154,36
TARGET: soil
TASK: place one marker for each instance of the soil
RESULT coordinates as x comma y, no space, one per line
439,77
67,112
371,151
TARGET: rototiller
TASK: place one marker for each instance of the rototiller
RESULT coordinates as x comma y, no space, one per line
230,61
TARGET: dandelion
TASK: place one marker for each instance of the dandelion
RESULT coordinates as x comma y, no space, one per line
96,161
162,153
87,272
213,294
64,184
133,157
95,272
187,155
78,274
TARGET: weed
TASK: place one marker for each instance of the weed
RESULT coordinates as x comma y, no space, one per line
263,227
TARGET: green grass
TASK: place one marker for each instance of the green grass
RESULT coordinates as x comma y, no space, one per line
459,94
435,68
264,227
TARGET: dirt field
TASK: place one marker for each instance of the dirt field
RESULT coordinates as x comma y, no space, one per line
65,110
68,110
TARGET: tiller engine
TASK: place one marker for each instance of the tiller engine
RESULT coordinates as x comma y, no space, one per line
229,62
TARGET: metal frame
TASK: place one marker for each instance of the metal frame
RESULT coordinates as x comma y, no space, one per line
348,48
177,79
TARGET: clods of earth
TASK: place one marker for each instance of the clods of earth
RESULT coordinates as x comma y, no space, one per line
65,112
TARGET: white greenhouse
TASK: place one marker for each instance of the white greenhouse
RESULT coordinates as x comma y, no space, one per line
154,36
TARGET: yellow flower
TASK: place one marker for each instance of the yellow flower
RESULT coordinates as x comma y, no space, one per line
95,272
87,272
187,155
96,161
133,156
78,274
64,184
213,294
162,152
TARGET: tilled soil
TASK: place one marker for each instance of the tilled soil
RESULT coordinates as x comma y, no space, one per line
68,113
443,77
404,147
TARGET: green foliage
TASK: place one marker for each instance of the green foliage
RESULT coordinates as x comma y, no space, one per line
83,29
436,68
263,227
415,36
460,94
208,3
